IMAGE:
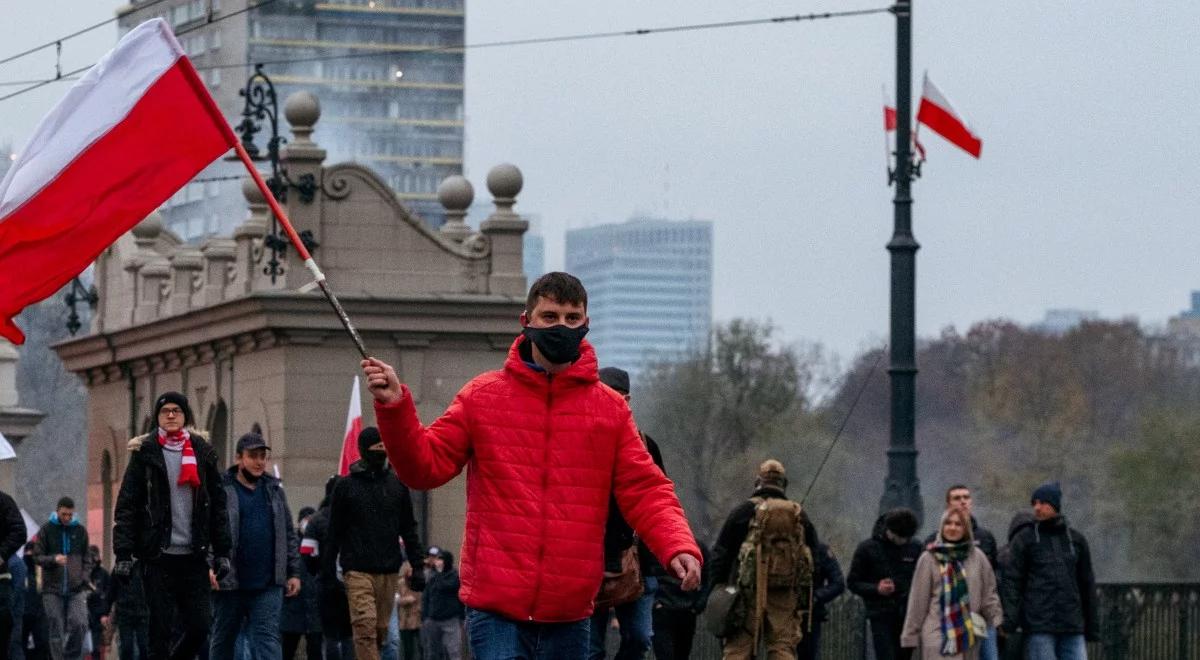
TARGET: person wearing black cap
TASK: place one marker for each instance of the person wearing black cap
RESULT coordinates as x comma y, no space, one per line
881,573
266,556
1048,586
332,608
369,512
171,515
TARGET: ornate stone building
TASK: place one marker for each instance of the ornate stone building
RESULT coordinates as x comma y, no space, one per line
254,350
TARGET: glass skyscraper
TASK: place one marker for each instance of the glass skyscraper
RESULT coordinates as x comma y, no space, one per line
649,284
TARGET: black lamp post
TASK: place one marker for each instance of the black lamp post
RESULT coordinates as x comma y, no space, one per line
76,293
262,103
902,488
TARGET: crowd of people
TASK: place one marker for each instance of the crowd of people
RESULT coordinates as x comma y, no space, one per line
572,529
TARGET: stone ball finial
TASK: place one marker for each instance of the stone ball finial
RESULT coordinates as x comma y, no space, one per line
505,181
251,192
150,227
456,193
302,109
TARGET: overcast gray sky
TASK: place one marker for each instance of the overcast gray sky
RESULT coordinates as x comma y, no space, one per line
1086,196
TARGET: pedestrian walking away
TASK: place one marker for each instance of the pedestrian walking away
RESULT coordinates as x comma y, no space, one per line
828,584
953,602
266,557
762,550
370,512
881,573
1048,586
544,445
61,550
171,515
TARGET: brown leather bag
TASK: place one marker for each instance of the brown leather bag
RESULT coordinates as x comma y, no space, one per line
624,587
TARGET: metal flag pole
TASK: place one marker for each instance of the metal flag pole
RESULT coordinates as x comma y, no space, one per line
311,265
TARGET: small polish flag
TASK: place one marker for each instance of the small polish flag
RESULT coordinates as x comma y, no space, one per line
130,133
353,428
310,547
939,115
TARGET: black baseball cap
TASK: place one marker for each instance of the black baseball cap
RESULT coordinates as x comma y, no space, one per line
251,441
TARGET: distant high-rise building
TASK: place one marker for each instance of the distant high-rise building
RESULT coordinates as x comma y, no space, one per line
1062,321
387,100
649,285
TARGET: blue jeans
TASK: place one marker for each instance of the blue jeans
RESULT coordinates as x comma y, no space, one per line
1048,646
636,622
494,637
988,650
260,610
391,647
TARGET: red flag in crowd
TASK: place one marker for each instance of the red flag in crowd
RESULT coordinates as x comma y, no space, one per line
126,137
939,115
353,428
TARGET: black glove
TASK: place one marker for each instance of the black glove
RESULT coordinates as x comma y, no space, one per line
416,581
123,568
222,568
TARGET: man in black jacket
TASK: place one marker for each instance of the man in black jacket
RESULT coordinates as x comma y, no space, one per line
12,537
1048,586
442,611
61,550
828,584
266,557
881,573
333,608
171,515
370,510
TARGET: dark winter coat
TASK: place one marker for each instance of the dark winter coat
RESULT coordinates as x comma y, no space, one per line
301,613
70,540
142,516
618,535
733,533
128,596
984,540
439,601
671,596
287,545
97,601
333,609
828,582
878,558
369,511
1048,586
12,528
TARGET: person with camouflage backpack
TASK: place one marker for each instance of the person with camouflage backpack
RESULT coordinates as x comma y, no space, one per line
761,549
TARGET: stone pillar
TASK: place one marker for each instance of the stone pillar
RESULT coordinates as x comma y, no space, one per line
8,374
152,279
301,160
185,272
219,256
456,194
505,229
15,422
145,236
247,239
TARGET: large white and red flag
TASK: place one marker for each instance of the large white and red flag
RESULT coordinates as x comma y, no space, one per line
350,452
126,137
940,116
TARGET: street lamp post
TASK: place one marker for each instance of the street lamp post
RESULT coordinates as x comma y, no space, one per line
902,489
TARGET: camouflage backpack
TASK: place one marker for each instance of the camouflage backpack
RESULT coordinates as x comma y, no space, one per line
774,556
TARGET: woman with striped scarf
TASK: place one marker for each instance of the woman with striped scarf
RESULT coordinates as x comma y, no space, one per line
953,598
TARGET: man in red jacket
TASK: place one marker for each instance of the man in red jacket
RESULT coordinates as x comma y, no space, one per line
545,445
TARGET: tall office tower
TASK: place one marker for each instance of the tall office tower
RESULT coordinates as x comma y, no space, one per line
388,74
649,285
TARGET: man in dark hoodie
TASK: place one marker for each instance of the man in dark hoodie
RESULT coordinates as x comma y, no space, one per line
441,630
171,515
881,573
266,557
370,510
61,550
332,607
12,537
1012,644
1048,587
828,584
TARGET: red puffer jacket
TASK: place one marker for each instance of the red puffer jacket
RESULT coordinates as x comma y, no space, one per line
543,455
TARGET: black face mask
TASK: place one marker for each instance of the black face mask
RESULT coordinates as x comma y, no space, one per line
558,343
374,459
248,476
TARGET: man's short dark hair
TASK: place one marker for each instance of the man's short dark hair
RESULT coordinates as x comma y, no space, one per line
65,503
901,522
562,288
954,488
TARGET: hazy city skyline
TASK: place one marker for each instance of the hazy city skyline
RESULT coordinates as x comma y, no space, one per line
1081,199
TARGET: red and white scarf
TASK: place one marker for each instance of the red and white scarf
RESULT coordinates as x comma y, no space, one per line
189,475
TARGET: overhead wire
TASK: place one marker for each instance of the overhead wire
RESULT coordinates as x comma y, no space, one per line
30,51
498,44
